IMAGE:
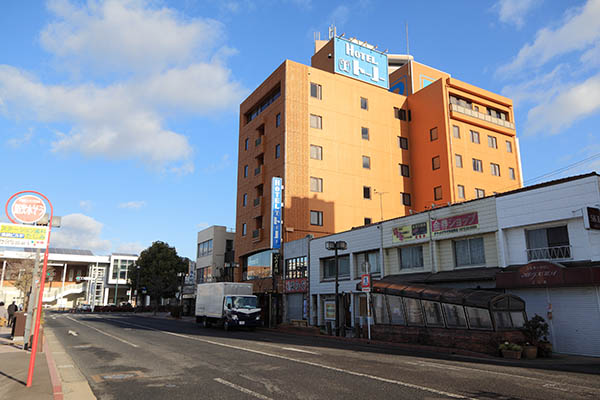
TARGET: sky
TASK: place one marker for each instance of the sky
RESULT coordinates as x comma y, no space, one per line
125,113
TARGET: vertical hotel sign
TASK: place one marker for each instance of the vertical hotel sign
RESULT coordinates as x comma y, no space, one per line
360,62
276,187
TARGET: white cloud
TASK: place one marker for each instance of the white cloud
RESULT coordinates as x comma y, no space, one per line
79,231
572,103
17,142
223,163
86,205
514,11
133,204
130,248
171,67
579,31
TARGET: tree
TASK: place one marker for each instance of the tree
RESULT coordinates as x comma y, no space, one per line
21,272
158,266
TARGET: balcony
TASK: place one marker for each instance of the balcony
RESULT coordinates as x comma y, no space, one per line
484,117
550,253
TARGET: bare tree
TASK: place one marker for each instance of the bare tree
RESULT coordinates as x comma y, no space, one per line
21,272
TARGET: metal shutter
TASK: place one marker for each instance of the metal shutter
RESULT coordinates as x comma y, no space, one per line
295,306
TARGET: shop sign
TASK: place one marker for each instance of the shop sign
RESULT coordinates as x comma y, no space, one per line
540,273
360,62
455,224
407,233
591,218
28,209
276,186
26,236
329,309
365,282
299,285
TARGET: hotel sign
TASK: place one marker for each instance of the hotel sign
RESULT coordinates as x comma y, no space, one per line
26,236
276,186
459,223
360,62
407,233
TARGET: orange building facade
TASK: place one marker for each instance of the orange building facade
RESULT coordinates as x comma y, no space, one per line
351,152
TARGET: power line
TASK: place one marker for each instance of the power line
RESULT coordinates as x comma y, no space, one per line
563,169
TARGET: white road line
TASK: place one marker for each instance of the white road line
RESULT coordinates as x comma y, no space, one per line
242,389
299,350
314,364
104,333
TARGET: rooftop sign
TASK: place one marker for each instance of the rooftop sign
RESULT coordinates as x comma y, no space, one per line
360,62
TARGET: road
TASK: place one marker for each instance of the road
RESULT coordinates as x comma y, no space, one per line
140,357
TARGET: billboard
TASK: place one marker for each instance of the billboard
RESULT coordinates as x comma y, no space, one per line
360,62
407,233
23,236
455,224
276,186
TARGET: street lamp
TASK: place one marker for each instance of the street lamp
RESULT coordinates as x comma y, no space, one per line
137,286
338,245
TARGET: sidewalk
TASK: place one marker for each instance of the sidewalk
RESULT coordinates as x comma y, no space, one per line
50,382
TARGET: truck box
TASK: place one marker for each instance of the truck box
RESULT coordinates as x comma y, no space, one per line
210,296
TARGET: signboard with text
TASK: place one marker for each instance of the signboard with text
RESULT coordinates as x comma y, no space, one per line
459,223
28,209
407,233
26,236
276,186
360,62
298,285
591,218
329,309
365,282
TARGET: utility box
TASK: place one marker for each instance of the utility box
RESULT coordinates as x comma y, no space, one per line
18,330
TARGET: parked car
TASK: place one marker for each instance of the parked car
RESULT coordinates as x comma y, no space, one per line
83,308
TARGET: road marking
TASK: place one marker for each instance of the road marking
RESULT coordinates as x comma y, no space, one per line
314,364
242,389
104,333
300,350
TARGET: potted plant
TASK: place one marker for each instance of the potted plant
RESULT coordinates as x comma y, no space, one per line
530,351
511,350
536,332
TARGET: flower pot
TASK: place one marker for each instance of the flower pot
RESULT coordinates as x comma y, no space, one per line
545,349
512,354
530,352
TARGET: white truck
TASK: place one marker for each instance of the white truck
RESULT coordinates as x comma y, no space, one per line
227,304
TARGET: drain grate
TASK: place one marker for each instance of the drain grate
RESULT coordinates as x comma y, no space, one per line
117,376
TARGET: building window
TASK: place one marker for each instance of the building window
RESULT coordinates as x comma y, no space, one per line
278,120
475,137
410,257
409,116
277,150
400,114
296,268
511,173
245,199
243,229
316,152
316,218
508,146
477,165
406,199
246,144
479,193
497,114
366,162
404,170
205,248
316,90
367,221
433,134
368,262
328,267
461,102
492,142
437,193
364,133
316,184
458,160
456,131
316,121
548,243
495,169
364,103
403,142
245,171
461,191
262,106
435,163
366,192
469,252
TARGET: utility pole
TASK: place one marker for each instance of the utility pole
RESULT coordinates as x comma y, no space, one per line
117,286
32,299
338,245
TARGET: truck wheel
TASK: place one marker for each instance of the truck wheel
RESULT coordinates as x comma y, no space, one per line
205,323
226,325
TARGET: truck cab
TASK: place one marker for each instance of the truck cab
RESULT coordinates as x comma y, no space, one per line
240,310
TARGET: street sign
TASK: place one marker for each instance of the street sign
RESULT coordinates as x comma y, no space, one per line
26,236
28,209
365,282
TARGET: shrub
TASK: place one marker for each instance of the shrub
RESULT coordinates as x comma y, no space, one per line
536,330
510,346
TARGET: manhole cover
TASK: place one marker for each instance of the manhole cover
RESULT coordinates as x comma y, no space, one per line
117,376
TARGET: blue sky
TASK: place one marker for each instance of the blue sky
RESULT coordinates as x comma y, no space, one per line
125,113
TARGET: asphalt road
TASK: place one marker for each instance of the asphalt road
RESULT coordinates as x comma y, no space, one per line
138,357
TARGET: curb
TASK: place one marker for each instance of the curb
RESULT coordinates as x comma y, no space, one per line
54,375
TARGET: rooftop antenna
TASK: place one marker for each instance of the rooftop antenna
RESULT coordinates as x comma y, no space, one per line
332,31
407,48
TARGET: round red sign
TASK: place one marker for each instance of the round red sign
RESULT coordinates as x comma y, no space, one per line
28,209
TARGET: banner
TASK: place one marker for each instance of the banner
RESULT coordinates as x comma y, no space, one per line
458,223
407,233
23,236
